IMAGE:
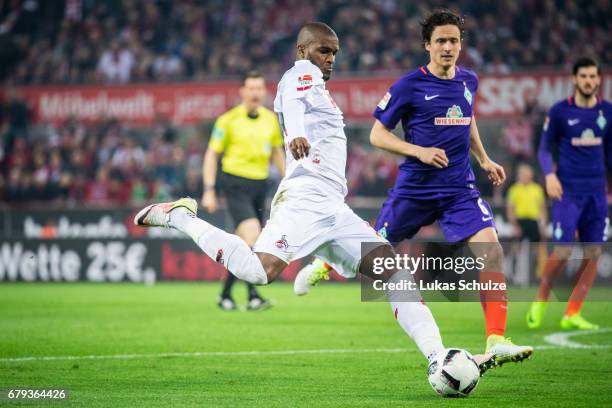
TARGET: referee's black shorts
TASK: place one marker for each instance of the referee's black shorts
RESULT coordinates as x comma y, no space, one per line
529,229
245,197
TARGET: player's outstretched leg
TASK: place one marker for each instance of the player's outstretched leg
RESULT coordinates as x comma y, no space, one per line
411,312
227,249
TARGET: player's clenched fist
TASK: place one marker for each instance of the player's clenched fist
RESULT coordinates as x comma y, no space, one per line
553,187
299,147
433,156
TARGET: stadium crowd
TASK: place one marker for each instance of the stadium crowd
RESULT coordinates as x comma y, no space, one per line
110,164
117,41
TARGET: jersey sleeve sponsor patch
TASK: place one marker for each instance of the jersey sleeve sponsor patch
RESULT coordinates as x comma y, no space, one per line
304,82
384,101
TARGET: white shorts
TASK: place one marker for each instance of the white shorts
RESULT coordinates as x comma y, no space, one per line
303,222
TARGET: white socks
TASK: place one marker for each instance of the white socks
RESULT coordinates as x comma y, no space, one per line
415,317
227,249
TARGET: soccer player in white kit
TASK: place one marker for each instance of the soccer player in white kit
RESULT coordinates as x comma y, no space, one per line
308,214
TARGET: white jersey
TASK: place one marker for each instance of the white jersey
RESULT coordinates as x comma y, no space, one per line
306,109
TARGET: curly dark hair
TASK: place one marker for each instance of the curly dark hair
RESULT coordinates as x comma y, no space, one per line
440,17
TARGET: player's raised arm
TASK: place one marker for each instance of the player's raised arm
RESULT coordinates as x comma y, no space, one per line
496,173
547,141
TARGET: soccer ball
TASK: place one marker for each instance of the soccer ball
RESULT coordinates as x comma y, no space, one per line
453,373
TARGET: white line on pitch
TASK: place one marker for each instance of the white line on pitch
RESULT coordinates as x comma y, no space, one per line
231,354
202,354
562,339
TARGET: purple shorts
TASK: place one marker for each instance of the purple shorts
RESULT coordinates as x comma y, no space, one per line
459,216
585,214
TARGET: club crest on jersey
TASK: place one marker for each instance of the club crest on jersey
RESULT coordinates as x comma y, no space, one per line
467,94
383,231
587,138
219,257
282,243
384,101
304,82
454,117
601,120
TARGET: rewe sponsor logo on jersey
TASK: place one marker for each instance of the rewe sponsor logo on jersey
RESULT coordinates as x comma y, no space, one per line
304,82
454,117
587,138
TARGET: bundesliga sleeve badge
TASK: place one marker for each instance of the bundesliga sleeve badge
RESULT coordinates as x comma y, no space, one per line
384,101
304,82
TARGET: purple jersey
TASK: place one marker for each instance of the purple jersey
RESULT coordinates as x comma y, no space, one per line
434,113
583,137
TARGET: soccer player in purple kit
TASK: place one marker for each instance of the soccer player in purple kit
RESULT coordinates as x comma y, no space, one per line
581,129
436,182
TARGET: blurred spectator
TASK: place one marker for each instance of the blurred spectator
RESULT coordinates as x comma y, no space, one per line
99,190
167,66
139,192
192,185
116,64
517,138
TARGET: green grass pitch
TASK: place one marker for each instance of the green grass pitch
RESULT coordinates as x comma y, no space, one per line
151,323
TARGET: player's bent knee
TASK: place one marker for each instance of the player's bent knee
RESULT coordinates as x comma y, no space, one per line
273,266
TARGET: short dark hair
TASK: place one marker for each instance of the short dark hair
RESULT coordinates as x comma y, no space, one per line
585,62
440,17
250,74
